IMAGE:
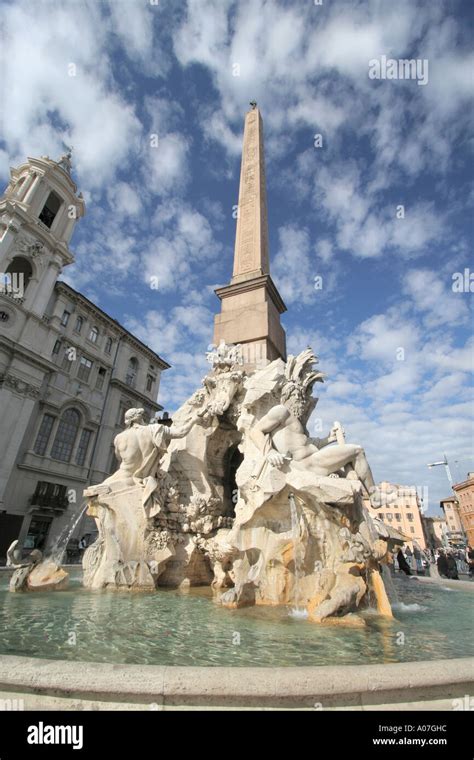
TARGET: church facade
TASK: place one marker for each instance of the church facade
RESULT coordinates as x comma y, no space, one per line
68,371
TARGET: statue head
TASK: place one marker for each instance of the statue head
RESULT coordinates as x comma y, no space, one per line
134,415
297,388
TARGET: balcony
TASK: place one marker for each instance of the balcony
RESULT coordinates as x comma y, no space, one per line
50,496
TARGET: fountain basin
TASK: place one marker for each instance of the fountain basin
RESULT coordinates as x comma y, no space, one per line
173,628
169,649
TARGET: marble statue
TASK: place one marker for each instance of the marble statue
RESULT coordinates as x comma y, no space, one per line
34,573
236,495
139,449
142,528
281,435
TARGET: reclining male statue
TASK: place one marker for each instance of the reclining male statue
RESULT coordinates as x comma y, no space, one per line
281,434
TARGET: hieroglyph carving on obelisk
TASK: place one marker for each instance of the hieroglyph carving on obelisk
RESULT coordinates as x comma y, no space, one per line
251,243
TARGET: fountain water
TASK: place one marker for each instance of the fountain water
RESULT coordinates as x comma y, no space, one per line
389,585
60,545
298,611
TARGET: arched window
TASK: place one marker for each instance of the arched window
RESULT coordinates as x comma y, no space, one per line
79,323
131,376
66,435
19,186
50,209
108,346
43,434
94,334
17,276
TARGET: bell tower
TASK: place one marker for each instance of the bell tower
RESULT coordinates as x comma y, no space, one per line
38,213
251,304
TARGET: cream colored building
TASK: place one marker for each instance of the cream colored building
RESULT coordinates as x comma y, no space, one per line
435,532
465,494
68,370
401,508
454,528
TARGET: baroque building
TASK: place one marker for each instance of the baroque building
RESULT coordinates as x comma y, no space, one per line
454,526
401,508
465,494
68,370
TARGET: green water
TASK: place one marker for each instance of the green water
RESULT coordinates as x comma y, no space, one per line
172,628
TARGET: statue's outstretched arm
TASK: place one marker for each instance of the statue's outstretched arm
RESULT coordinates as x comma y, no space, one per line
179,431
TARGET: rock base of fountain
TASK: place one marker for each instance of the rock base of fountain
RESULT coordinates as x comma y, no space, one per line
39,575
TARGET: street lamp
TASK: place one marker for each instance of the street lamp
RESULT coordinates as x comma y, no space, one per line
445,464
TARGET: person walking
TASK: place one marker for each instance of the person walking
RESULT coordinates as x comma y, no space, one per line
442,564
452,568
470,560
402,563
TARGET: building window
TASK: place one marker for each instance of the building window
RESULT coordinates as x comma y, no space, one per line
56,347
99,383
93,335
149,382
108,346
43,434
410,516
412,529
50,209
131,376
50,495
68,359
84,440
66,435
398,517
79,323
84,371
389,516
121,413
65,318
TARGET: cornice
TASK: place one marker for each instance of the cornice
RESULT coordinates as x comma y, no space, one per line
255,283
115,381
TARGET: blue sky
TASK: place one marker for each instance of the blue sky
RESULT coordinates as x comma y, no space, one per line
394,339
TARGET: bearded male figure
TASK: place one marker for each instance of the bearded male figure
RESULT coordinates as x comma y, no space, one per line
281,434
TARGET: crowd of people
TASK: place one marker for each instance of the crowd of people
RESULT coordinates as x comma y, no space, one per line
450,562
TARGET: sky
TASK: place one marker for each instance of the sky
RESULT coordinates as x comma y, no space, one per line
369,188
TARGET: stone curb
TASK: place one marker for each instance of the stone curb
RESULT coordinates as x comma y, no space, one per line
328,686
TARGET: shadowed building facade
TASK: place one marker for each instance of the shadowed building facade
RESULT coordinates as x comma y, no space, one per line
68,371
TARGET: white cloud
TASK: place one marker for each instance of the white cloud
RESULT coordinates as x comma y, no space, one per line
165,170
435,298
292,267
47,105
182,241
124,200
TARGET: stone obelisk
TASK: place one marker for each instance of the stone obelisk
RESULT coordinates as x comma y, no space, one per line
250,304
